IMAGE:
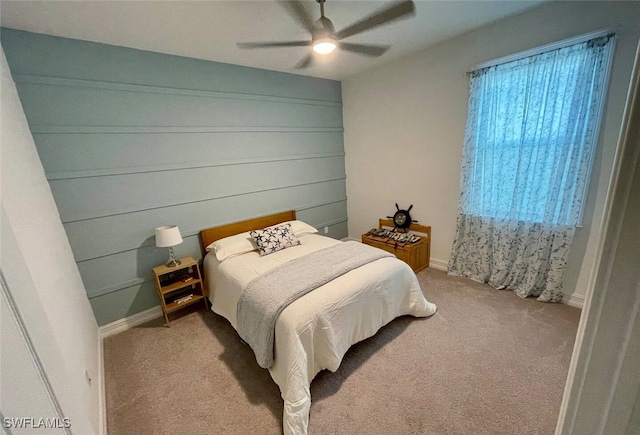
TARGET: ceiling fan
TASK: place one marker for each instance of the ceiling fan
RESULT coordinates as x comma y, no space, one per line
325,39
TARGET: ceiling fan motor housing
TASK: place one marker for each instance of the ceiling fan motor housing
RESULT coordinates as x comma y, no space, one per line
323,28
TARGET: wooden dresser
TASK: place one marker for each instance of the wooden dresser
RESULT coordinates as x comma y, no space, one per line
415,254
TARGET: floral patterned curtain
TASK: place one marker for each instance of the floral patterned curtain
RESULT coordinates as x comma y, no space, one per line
529,143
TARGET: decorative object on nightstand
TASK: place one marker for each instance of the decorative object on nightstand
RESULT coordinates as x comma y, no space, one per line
168,236
402,219
179,286
414,249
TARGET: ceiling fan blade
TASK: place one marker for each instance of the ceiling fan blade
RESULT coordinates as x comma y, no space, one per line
305,62
390,13
299,13
274,44
365,49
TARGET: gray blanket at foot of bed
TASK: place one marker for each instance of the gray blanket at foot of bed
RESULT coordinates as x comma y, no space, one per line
266,296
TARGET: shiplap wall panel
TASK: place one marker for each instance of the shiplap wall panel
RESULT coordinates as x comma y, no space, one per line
93,197
83,60
98,237
131,140
339,228
107,108
132,267
124,303
328,214
99,153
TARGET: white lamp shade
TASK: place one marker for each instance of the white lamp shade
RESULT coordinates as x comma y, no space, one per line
168,235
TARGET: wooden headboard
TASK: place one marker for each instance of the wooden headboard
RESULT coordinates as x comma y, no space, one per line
210,235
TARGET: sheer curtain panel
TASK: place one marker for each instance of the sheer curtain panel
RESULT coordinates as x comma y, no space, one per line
529,142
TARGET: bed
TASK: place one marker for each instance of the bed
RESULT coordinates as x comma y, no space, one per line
315,331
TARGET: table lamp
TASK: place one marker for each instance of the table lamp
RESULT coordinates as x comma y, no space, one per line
168,236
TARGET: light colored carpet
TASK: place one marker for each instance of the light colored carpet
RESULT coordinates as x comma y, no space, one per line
487,362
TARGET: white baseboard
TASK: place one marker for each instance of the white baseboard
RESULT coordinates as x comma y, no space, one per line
129,322
438,264
574,300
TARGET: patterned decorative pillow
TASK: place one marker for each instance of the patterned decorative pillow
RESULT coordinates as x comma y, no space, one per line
274,239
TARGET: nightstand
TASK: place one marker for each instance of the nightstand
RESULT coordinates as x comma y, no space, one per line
415,254
179,286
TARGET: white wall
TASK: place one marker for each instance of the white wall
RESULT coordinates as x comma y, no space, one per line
404,124
42,287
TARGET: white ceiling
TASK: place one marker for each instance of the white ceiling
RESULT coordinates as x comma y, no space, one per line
210,29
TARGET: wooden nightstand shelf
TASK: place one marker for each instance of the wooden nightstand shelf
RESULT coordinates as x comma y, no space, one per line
415,254
174,284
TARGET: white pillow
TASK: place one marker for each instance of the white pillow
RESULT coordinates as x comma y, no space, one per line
243,242
232,246
299,228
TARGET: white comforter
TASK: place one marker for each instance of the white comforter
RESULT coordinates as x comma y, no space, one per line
314,332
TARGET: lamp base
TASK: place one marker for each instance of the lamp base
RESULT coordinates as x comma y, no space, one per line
173,263
172,258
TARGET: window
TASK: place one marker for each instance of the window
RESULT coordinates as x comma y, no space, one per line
531,133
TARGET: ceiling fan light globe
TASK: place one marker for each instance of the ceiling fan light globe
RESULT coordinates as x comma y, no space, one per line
324,45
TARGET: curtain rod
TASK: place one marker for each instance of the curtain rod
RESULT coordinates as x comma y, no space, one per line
542,49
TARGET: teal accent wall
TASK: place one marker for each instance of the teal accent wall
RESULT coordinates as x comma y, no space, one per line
132,139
